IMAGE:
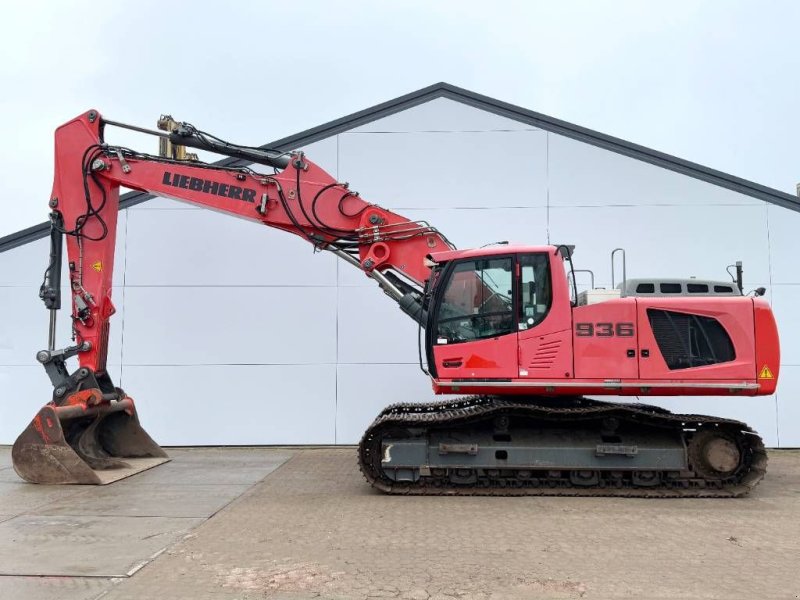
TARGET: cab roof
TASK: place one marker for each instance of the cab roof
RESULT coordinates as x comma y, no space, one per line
491,250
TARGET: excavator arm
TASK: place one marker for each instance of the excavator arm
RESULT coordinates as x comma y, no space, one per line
301,199
298,197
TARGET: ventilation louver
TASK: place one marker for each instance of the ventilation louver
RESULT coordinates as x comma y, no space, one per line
687,340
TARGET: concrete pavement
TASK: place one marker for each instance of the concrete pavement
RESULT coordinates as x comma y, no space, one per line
301,523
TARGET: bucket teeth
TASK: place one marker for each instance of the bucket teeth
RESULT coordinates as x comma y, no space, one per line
85,444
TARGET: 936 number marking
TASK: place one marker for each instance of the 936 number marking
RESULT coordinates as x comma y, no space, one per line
604,329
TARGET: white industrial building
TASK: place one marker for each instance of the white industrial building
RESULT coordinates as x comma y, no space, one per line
231,333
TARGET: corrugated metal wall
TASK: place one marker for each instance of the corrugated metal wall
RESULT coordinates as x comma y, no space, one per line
230,333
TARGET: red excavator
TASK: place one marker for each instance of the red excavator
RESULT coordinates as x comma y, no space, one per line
502,323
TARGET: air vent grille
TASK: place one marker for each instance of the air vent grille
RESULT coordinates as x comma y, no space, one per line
545,355
687,340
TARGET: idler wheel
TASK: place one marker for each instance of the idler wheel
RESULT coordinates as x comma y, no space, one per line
714,454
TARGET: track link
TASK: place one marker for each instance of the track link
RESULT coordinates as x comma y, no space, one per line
569,412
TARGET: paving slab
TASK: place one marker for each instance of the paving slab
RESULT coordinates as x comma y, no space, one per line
85,546
147,501
53,588
9,475
213,466
314,528
17,496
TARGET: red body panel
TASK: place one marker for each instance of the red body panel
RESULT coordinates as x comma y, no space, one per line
497,249
490,358
736,316
605,355
545,354
768,350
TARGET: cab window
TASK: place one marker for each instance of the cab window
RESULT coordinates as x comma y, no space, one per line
535,289
477,302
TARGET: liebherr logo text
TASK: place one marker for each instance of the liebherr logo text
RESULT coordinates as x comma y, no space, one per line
209,187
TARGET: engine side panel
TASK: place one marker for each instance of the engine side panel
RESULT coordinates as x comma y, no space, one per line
693,339
605,340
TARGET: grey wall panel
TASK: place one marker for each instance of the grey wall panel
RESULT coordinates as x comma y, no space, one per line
784,241
349,275
364,390
23,391
759,412
25,265
255,324
785,304
789,407
471,228
585,175
670,241
442,114
446,170
202,247
205,326
372,329
24,331
235,405
324,153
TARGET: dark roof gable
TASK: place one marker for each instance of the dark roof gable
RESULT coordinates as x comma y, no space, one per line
504,109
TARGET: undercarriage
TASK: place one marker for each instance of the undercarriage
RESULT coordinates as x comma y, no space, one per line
489,445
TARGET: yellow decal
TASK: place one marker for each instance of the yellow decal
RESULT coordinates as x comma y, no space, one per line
766,373
98,266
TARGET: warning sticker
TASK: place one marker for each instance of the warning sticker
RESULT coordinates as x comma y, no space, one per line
97,266
766,373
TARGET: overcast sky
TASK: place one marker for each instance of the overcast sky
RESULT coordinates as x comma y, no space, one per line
714,82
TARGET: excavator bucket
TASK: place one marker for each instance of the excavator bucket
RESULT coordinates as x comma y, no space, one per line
95,442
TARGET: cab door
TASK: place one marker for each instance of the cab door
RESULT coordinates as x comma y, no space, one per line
544,326
474,334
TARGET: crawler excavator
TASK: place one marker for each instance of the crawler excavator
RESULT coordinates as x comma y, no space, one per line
502,324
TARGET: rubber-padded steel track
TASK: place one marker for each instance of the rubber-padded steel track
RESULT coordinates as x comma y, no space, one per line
569,413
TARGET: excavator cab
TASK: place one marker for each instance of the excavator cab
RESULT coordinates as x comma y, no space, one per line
488,304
